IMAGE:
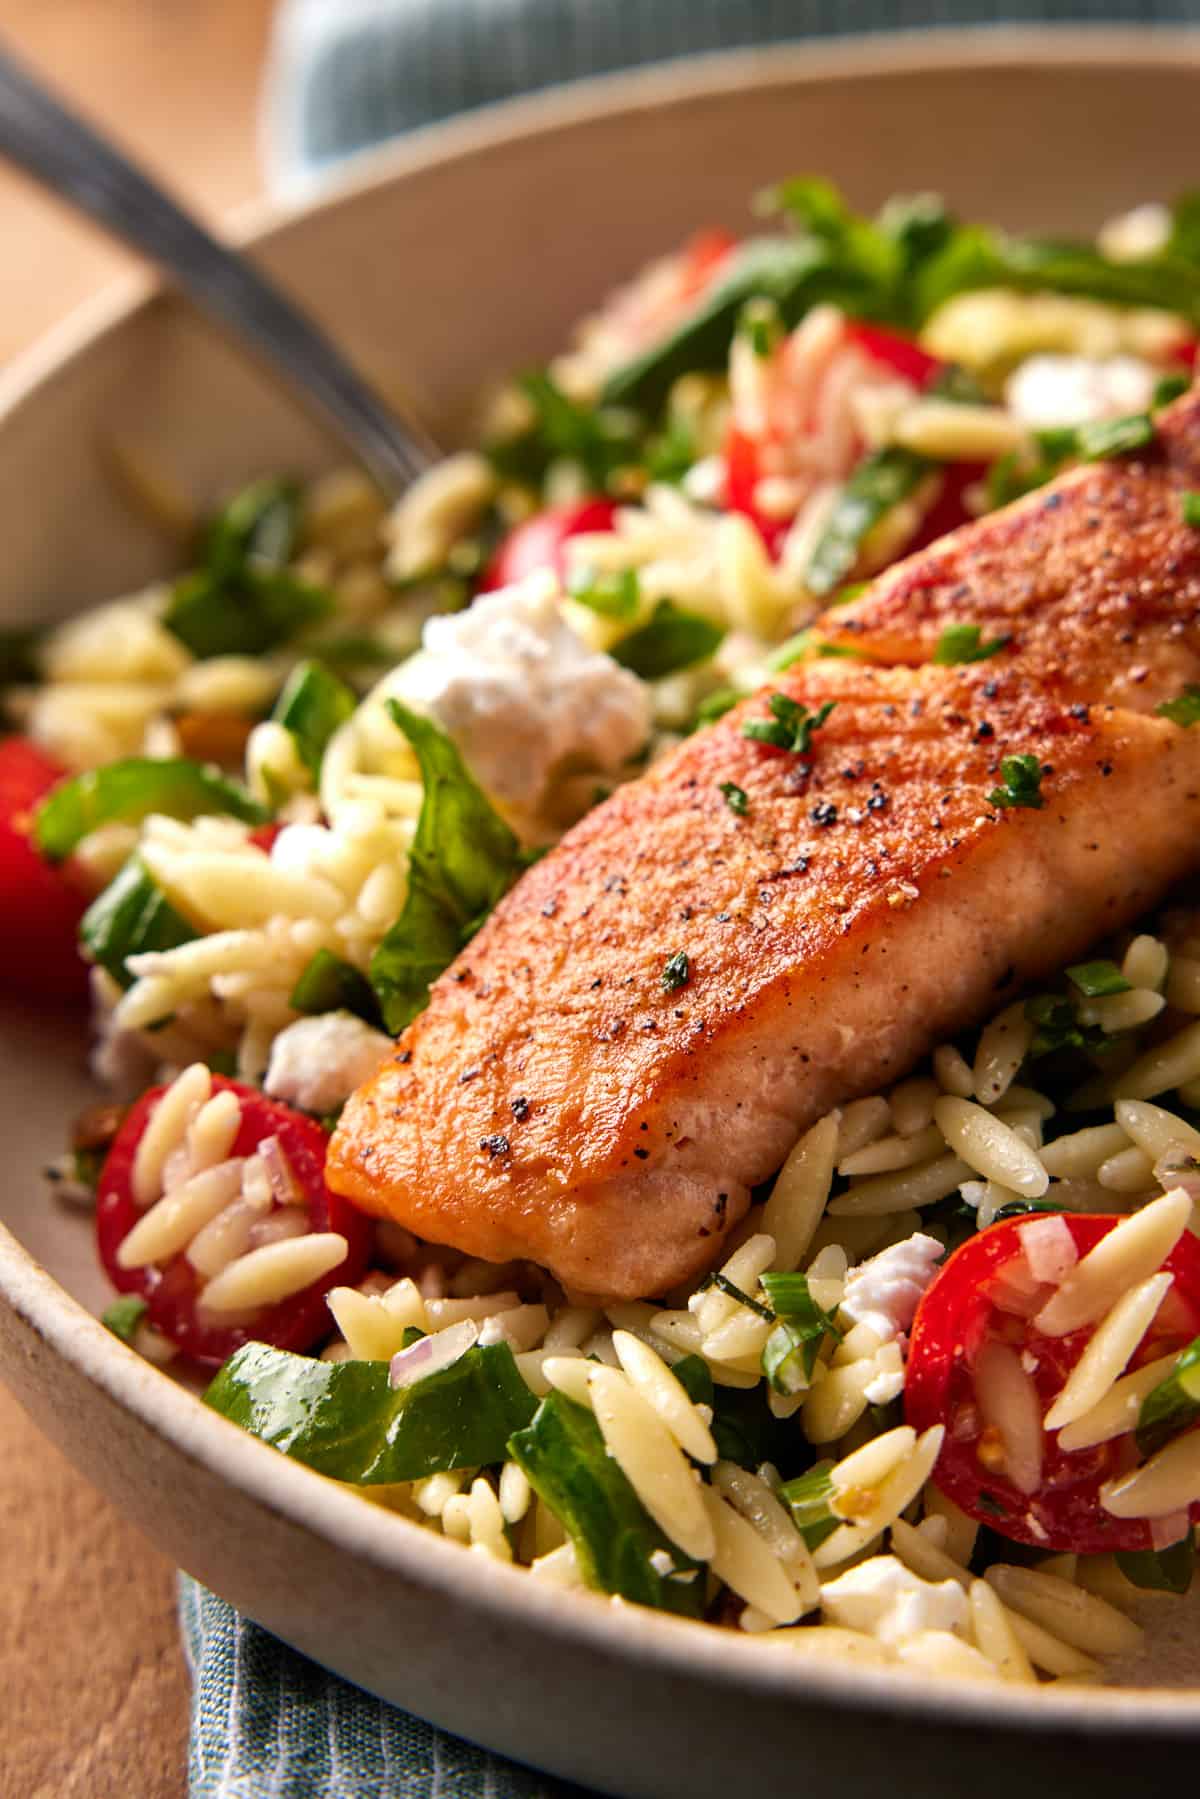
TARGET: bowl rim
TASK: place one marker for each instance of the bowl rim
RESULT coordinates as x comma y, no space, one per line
638,1637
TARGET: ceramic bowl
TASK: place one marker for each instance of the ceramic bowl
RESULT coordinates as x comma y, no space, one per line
464,253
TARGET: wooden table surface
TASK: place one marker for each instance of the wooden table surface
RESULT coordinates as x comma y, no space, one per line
94,1687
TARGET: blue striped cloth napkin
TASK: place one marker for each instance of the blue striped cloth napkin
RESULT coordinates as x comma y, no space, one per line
345,74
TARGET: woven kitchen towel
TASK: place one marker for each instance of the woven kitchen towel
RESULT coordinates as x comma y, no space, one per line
349,73
269,1724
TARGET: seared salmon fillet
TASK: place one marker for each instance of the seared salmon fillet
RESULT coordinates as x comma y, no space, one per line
646,1023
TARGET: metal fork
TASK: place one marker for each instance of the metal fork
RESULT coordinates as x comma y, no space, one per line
67,156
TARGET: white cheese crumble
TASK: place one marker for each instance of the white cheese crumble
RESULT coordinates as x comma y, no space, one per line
317,1063
886,1600
884,1293
1048,391
523,696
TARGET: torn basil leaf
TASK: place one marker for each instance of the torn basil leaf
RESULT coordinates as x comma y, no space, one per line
464,858
328,984
1184,709
345,1419
601,439
124,1315
1174,1405
1020,784
790,726
617,1543
790,1352
132,915
615,595
1167,1570
671,639
1095,980
807,1499
882,479
129,791
964,643
313,705
1101,439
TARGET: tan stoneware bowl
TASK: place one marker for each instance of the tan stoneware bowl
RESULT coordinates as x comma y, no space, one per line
464,253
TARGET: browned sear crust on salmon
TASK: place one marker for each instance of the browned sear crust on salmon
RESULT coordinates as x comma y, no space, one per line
569,1098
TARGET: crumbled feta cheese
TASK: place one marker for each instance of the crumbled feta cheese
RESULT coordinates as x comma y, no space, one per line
317,1063
1048,391
1133,235
884,1293
886,1600
523,696
887,1379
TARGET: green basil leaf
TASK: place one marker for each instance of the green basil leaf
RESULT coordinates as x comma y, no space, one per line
807,1499
790,726
328,984
132,915
345,1419
464,858
1167,1570
1168,388
568,1465
601,439
616,595
245,614
1096,979
1173,1405
882,479
130,791
670,639
313,705
716,706
258,523
1101,439
124,1315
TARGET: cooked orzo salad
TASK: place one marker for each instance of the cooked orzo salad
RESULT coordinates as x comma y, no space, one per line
933,1403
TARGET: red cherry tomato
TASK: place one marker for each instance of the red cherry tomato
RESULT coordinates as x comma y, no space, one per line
949,510
538,542
172,1291
40,904
900,354
956,1318
741,453
703,256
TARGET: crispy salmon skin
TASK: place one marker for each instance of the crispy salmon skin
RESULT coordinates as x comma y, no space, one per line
642,1028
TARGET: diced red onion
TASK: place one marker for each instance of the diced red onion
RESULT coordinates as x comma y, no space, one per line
431,1354
284,1190
1049,1248
1177,1169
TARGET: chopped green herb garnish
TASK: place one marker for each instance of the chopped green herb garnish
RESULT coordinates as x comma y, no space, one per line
881,480
671,639
1101,439
131,916
314,705
129,791
616,595
1174,1405
1167,1570
1021,783
735,797
723,1284
328,984
1168,388
619,1547
790,1352
1057,1027
1184,709
790,726
1095,980
346,1420
600,439
676,972
964,643
1189,506
463,859
124,1315
807,1499
1021,1208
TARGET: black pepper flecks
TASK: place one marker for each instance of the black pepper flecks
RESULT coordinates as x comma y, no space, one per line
519,1107
496,1145
824,813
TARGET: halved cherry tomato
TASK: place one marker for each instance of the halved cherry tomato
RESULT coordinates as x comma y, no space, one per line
172,1291
902,355
538,542
40,904
949,510
957,1317
741,453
